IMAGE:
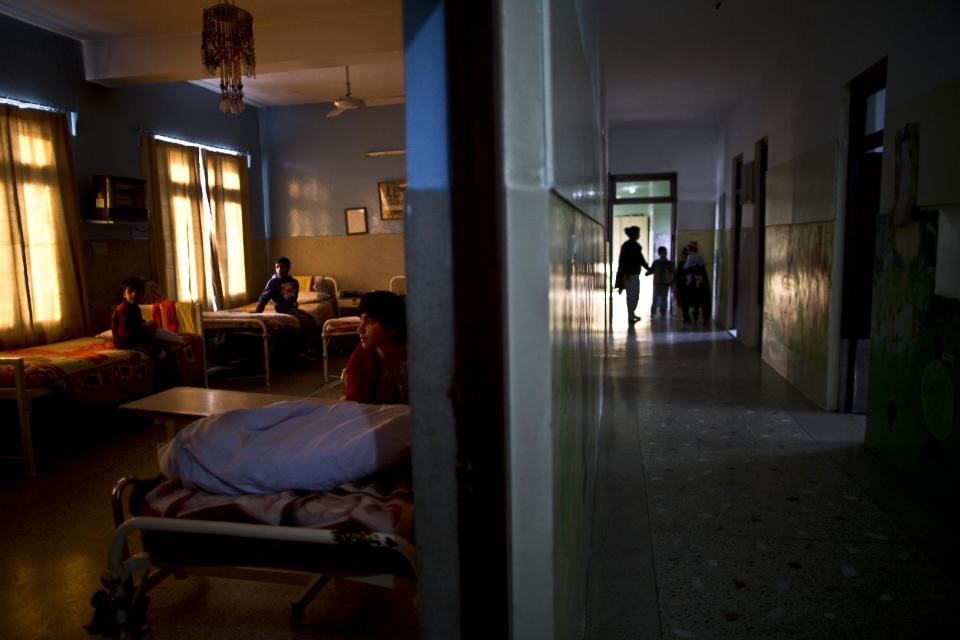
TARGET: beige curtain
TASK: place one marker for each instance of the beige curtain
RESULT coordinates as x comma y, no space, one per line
39,231
178,224
226,187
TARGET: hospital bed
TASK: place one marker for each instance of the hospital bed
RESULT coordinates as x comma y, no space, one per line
93,372
362,528
318,298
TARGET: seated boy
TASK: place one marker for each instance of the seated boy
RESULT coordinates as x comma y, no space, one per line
131,332
282,290
376,372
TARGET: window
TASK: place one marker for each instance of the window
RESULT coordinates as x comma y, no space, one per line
201,195
38,230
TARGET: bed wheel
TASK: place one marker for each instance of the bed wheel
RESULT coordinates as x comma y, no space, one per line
119,612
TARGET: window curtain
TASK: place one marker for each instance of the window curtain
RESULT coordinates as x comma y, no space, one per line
198,238
226,187
39,231
178,226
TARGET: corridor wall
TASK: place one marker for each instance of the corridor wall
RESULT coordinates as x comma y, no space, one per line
800,105
555,250
912,421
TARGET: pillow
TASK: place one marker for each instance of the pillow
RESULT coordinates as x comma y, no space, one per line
107,335
311,289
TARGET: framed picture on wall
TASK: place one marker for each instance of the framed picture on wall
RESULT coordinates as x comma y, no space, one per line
391,199
356,220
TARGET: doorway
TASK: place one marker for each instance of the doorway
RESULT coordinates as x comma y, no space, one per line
865,148
737,202
760,150
649,201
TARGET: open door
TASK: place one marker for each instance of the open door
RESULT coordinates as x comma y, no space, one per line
867,107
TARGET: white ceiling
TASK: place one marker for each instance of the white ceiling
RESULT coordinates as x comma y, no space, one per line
665,62
686,62
302,46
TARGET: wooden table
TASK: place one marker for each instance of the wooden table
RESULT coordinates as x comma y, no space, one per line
180,405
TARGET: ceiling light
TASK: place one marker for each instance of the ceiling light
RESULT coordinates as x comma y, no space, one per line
227,45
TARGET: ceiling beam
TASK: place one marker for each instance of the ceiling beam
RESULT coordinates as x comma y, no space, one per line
279,47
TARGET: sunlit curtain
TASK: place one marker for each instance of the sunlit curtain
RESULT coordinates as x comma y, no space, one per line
178,226
226,188
39,239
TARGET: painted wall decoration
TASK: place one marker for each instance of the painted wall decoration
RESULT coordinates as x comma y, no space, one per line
796,305
912,421
577,294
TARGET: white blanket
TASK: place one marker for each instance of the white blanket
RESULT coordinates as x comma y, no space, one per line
287,445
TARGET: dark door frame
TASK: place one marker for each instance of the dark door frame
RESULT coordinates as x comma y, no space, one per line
612,180
736,201
859,240
760,159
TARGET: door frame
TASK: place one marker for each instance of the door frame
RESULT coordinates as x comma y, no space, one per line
612,181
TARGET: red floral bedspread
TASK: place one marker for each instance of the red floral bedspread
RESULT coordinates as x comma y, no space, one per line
92,371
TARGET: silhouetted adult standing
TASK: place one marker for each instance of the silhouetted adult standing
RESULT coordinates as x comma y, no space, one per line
631,264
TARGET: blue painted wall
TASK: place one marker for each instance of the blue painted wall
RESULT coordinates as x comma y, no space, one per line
316,167
45,68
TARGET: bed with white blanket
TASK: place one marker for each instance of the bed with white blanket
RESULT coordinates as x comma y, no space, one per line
310,491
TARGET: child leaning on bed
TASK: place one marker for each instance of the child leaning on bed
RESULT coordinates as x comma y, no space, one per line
282,290
131,332
376,372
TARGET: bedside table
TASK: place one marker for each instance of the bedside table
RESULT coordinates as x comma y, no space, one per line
349,306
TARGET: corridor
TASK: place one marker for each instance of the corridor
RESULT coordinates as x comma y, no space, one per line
729,507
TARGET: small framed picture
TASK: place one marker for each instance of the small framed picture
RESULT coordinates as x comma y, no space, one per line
391,199
356,220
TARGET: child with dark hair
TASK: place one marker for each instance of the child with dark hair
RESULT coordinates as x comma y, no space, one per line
282,290
131,332
663,270
376,372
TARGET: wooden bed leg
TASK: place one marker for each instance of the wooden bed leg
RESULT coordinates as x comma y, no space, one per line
326,342
23,415
266,357
313,589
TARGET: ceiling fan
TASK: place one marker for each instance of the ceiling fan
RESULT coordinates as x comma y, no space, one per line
345,103
348,102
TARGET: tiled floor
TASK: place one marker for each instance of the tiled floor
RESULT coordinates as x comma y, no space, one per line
729,507
54,533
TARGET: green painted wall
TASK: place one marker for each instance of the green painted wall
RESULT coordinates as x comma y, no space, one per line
912,417
577,292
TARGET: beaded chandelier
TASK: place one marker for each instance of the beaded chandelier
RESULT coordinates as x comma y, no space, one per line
227,45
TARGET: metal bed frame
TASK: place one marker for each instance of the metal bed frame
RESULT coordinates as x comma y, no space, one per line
122,605
24,397
254,326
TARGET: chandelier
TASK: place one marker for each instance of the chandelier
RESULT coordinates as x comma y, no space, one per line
227,45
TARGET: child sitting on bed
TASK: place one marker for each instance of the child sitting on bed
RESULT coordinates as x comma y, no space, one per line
282,290
131,332
376,372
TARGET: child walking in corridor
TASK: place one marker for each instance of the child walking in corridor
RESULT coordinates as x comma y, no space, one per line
662,269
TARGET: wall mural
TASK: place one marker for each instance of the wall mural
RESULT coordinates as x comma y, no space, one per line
796,306
577,295
912,420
